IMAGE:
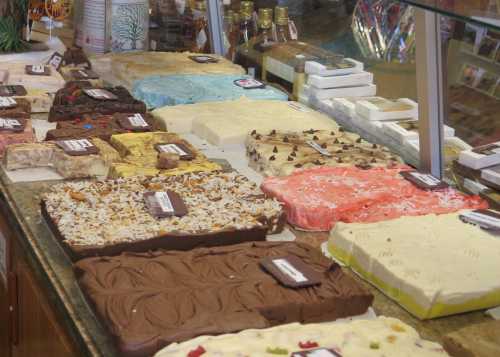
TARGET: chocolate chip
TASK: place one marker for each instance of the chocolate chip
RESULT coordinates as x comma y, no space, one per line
290,158
364,166
275,150
294,154
336,141
339,151
253,152
341,129
310,131
258,137
332,133
358,140
298,166
323,146
373,160
345,147
272,158
295,148
285,139
273,132
253,132
315,137
339,160
374,146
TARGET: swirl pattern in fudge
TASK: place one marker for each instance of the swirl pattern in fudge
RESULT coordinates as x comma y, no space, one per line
113,211
150,300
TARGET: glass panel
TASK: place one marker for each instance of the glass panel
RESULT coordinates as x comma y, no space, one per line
277,41
482,12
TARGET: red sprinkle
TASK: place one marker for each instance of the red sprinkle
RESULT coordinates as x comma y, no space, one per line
308,344
197,352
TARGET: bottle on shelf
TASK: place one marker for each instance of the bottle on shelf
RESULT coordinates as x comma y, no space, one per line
247,30
202,41
248,8
230,34
265,37
282,25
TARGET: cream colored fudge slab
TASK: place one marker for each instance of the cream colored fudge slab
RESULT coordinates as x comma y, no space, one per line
126,68
418,256
40,100
17,75
233,121
383,336
23,156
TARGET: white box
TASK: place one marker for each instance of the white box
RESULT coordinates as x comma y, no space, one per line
402,108
313,67
474,187
398,133
481,157
348,105
364,91
449,139
491,175
348,80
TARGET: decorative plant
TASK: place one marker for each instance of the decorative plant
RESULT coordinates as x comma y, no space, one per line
12,20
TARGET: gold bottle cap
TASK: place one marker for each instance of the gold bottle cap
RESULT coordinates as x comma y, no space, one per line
200,5
229,16
246,5
265,18
281,15
236,18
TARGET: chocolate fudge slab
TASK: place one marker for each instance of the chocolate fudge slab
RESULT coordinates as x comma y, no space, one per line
71,102
149,300
21,108
97,125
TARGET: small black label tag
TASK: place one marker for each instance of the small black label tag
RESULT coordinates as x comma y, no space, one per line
79,147
165,204
55,61
11,124
318,352
38,70
12,91
7,102
203,59
176,148
249,83
83,74
424,181
318,148
133,122
291,271
100,94
486,219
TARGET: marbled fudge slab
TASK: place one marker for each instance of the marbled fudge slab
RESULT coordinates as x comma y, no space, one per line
140,156
126,68
48,154
150,300
317,198
279,153
383,336
71,102
22,107
10,137
222,209
413,260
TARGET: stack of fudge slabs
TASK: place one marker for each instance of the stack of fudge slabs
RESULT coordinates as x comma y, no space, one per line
229,123
442,267
73,101
15,122
160,91
383,336
280,153
127,68
317,198
140,155
164,297
101,126
95,163
108,217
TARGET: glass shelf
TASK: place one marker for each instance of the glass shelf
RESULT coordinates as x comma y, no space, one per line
483,12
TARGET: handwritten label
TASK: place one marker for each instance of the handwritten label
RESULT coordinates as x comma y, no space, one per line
12,90
38,70
84,74
11,124
291,271
318,148
319,352
137,120
77,147
7,102
424,181
249,83
55,60
172,148
100,94
485,219
163,204
204,59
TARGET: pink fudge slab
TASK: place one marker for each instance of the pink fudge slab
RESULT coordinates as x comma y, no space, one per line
8,137
317,198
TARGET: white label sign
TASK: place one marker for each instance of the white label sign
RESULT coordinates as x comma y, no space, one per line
173,149
318,148
426,178
480,219
7,102
164,202
99,94
9,123
78,145
38,68
137,120
83,73
289,270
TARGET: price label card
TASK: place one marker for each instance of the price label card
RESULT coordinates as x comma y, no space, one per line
11,124
318,352
38,70
133,122
486,219
203,59
12,91
291,271
100,94
7,102
249,83
78,147
165,204
176,148
55,61
424,181
318,148
84,74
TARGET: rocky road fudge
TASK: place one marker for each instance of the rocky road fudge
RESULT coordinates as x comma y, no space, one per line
108,217
150,300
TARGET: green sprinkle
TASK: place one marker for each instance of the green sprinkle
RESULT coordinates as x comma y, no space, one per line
374,345
277,351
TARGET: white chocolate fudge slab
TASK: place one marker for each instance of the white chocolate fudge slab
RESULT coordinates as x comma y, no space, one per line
17,76
126,68
347,66
360,91
385,109
229,123
348,80
433,265
383,336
